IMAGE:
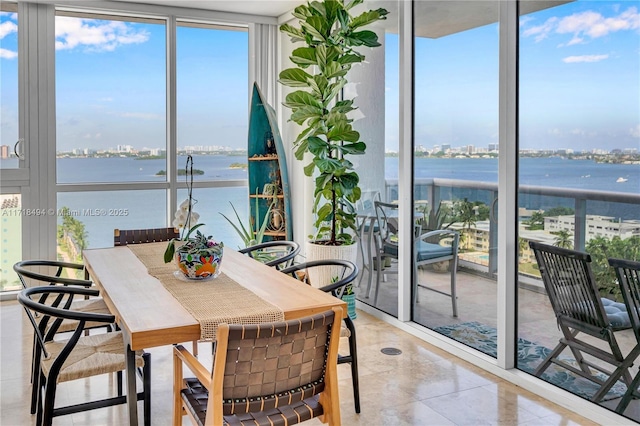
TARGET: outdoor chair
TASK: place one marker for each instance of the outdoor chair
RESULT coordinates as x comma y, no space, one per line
427,250
366,226
279,373
33,273
628,274
344,273
578,307
279,254
122,237
79,357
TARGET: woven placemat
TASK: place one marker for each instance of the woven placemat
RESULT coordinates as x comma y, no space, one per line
211,302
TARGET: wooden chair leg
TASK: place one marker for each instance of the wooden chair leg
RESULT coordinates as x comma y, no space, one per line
177,399
195,348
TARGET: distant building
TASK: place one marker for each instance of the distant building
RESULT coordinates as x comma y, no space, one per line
493,147
10,241
597,226
4,151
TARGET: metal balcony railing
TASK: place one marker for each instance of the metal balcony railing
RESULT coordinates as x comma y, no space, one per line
435,190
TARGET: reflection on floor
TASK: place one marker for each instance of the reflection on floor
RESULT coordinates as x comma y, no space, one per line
423,385
477,302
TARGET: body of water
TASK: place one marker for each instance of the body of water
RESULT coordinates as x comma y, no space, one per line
146,209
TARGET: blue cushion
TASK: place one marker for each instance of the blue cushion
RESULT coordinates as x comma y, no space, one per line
428,251
616,313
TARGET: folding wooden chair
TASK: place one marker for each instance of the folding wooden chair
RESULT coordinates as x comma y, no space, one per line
628,273
572,290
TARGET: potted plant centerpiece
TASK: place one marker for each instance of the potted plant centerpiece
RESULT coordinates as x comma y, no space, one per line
329,34
196,255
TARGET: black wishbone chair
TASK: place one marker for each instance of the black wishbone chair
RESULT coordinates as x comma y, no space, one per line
343,273
50,272
80,356
279,254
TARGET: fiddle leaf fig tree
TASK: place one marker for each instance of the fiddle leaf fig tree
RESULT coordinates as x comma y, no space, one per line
330,35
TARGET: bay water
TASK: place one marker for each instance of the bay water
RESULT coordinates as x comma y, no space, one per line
101,211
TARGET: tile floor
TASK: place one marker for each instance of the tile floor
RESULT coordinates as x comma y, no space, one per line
423,385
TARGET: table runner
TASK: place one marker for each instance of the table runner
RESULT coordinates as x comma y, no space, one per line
211,302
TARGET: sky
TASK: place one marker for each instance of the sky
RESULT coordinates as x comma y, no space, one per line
579,83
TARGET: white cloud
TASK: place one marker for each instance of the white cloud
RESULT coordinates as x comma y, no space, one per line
585,25
541,31
8,54
95,35
635,131
584,58
6,28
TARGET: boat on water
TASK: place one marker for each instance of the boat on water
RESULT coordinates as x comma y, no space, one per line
621,179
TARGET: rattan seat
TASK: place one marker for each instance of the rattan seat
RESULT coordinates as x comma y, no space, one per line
92,355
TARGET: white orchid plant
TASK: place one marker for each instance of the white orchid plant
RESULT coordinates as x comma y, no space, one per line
186,220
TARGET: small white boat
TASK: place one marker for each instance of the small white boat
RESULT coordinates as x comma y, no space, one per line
621,179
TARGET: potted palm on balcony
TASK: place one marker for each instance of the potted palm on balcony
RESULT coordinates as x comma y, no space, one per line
330,36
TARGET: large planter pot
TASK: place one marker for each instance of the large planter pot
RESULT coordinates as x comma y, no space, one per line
319,277
198,265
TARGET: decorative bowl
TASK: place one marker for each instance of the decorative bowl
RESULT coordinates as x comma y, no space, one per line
199,265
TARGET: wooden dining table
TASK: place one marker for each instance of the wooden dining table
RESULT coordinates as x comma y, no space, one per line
150,316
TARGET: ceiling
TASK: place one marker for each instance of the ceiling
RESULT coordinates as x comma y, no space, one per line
434,18
271,8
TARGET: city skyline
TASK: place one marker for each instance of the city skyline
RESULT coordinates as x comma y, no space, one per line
579,72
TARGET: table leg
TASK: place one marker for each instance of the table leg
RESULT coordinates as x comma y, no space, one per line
132,394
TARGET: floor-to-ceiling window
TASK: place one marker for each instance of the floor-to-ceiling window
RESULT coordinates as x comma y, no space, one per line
455,166
212,119
579,165
376,86
110,127
10,149
114,131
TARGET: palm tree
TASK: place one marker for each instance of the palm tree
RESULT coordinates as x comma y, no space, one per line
466,213
564,239
522,246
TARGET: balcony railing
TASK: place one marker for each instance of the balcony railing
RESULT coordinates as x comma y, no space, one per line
435,190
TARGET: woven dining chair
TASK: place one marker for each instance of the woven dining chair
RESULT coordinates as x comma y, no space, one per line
579,310
122,237
279,254
78,357
628,274
344,273
280,373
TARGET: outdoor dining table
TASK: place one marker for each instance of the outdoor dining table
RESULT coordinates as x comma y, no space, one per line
154,307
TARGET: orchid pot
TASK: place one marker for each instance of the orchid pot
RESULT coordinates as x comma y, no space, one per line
199,257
